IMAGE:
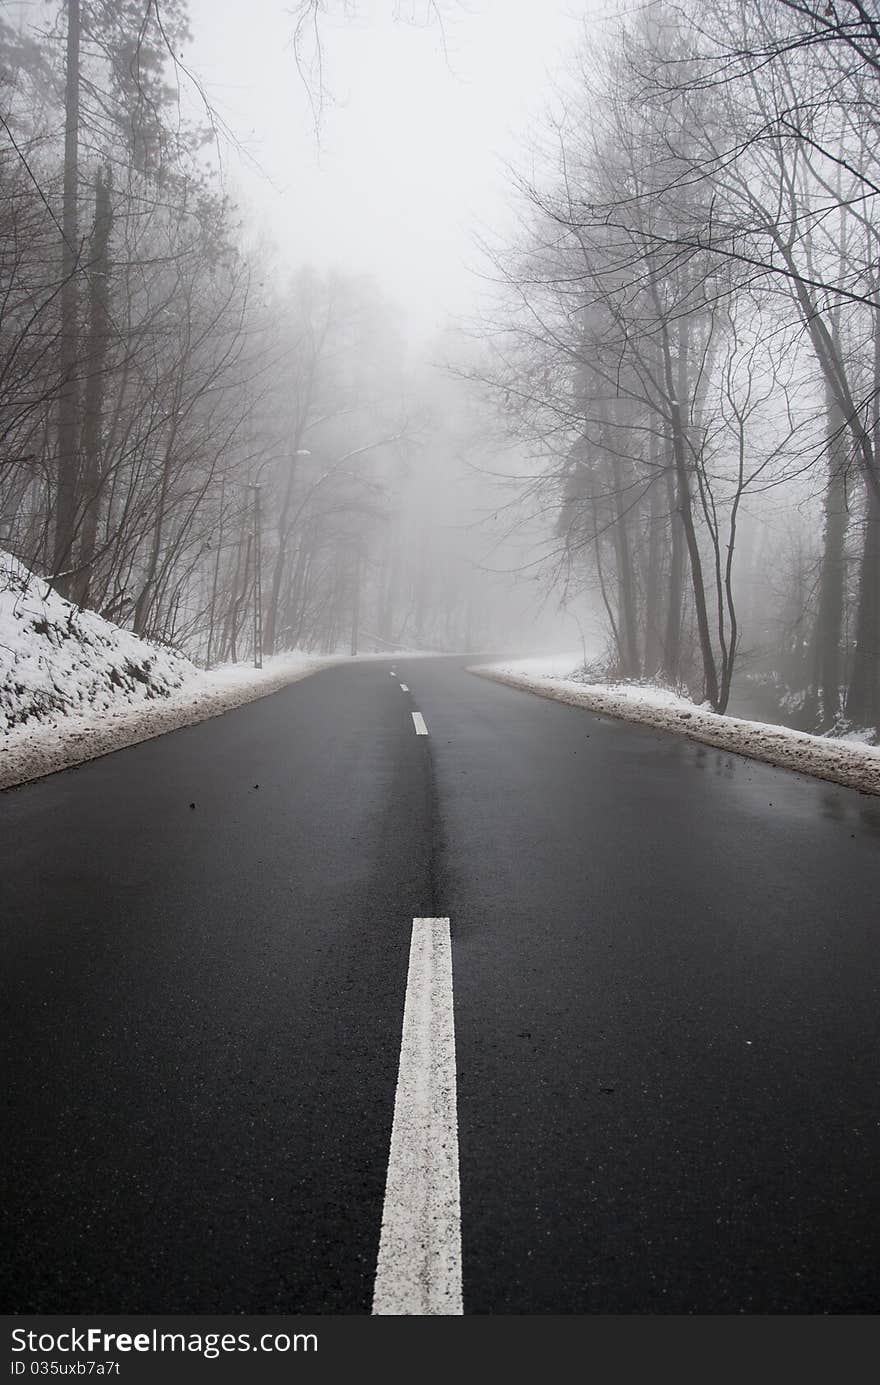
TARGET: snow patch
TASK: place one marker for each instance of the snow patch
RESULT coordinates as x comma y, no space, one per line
57,661
74,686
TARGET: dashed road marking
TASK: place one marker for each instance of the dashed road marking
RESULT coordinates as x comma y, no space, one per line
404,688
418,1271
419,724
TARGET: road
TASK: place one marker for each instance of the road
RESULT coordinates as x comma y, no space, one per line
665,980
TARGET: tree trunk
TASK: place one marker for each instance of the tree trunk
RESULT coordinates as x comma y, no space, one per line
829,617
215,580
144,603
863,699
68,458
684,504
626,603
95,389
270,629
672,639
654,575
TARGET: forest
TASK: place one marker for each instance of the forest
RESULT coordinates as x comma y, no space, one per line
182,419
687,341
677,368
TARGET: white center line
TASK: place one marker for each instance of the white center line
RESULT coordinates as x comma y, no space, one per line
419,724
404,688
419,1266
393,673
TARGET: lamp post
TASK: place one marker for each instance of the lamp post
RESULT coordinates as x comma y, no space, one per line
356,598
258,579
258,562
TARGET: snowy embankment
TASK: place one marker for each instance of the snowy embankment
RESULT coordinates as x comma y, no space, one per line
848,762
73,686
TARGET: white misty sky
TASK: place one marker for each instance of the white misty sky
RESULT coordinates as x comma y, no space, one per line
412,140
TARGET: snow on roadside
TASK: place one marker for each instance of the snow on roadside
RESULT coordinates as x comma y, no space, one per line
74,686
848,762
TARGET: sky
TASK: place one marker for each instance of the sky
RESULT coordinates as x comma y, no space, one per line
416,127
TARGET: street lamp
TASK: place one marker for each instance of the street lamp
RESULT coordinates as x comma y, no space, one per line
258,579
258,565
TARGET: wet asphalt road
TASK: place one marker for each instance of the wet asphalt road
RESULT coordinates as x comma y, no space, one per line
667,1008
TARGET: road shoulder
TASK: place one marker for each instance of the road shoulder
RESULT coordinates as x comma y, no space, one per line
851,764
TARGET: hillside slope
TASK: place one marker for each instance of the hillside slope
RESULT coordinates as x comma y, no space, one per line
74,686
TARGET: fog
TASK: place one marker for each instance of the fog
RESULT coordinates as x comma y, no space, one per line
416,115
389,163
452,327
